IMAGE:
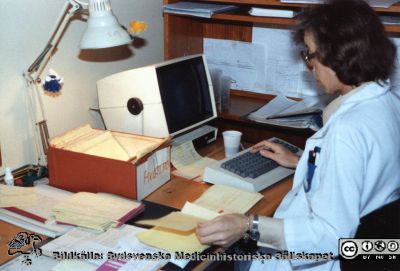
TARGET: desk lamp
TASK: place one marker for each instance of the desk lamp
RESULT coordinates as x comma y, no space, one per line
103,31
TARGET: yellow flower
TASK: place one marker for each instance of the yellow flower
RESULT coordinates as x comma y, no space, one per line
137,27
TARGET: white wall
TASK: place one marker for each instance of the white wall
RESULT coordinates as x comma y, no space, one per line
25,27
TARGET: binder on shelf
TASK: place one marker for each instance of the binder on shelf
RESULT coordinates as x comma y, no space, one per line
205,10
269,12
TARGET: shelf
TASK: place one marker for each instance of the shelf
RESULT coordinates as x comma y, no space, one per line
242,13
276,3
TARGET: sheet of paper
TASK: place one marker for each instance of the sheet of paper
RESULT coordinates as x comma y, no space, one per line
72,135
184,155
285,72
273,107
81,239
395,77
372,3
67,265
138,146
298,122
38,264
49,229
171,240
132,244
241,61
381,3
175,220
107,146
308,104
48,197
195,170
230,199
14,196
198,211
97,211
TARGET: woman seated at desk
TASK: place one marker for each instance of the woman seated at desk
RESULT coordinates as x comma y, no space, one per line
351,166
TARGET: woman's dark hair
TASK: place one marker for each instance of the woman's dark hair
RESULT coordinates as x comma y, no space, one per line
350,39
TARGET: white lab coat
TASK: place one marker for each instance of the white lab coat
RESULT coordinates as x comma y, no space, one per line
358,170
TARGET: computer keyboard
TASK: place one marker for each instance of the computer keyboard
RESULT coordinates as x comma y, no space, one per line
249,171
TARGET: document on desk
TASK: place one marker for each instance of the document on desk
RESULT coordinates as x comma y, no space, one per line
176,231
188,163
15,196
113,241
38,217
96,211
215,201
37,264
48,197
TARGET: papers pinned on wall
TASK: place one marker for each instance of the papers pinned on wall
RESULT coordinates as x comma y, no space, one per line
270,64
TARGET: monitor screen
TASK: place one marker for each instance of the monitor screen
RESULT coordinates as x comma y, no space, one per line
159,100
185,93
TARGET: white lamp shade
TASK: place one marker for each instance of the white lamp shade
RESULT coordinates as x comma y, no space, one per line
103,29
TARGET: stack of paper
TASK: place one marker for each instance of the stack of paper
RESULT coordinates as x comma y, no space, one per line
176,231
115,241
114,145
38,217
372,3
205,10
96,211
269,12
14,196
282,111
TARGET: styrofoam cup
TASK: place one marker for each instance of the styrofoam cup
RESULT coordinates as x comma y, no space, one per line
231,142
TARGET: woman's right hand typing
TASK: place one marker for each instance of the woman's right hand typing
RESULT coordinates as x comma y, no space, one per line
276,152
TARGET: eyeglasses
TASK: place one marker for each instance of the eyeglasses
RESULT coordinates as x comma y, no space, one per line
307,57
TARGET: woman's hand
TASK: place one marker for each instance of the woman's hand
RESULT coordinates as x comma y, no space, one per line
223,230
276,152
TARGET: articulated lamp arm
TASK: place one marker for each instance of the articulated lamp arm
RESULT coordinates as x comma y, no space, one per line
35,70
33,73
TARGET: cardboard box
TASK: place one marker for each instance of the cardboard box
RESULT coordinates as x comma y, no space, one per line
74,171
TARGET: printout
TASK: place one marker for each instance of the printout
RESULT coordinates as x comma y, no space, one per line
285,72
225,199
243,62
188,163
395,78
